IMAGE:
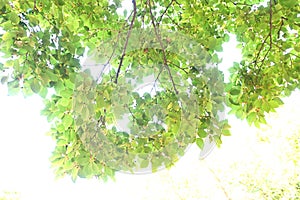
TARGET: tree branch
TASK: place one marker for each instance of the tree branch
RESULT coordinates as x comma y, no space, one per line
133,116
260,49
240,4
173,21
126,42
262,61
280,27
114,49
181,68
271,23
109,59
34,6
157,77
162,15
279,47
157,34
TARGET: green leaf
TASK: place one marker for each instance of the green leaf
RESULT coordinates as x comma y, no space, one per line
265,106
67,121
85,113
33,19
74,173
13,87
262,120
251,118
14,18
233,102
35,86
257,124
202,133
217,140
64,102
209,106
278,100
60,2
274,104
226,132
200,143
226,38
144,163
43,92
235,91
212,43
4,79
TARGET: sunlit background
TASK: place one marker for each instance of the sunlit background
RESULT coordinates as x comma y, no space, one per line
251,164
248,163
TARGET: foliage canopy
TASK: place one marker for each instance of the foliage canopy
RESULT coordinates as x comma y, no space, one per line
43,42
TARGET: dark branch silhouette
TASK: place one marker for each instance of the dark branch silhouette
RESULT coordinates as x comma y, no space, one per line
271,24
162,15
157,34
126,42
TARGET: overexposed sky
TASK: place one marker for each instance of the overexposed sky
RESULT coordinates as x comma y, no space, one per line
25,167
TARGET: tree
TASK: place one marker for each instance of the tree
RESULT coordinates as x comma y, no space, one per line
175,43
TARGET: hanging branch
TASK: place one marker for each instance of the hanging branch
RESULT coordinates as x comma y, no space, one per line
133,116
240,4
283,50
263,60
280,27
173,21
258,54
114,50
181,68
126,42
157,34
270,36
260,49
271,23
162,15
34,6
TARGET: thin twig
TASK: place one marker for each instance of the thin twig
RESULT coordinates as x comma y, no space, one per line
162,15
133,116
177,3
262,61
34,6
156,79
173,21
157,34
109,59
177,66
271,24
126,42
114,50
280,27
240,4
279,47
260,49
